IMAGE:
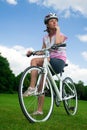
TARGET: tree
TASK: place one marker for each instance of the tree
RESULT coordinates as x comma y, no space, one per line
7,78
17,81
81,90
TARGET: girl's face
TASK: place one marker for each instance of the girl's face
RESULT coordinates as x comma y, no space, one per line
52,23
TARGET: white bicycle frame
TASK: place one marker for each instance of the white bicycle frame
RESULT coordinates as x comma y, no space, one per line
47,72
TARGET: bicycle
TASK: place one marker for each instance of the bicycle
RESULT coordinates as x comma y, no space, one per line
53,90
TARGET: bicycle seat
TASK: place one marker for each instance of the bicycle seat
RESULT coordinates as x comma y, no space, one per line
65,66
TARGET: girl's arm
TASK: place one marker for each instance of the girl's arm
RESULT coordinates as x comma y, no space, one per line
58,37
44,45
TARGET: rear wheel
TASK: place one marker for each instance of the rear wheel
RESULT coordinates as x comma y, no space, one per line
69,96
30,104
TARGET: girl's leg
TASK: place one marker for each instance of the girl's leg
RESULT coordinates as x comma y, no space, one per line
35,62
31,88
40,103
40,98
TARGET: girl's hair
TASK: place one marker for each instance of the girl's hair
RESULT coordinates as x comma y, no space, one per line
47,30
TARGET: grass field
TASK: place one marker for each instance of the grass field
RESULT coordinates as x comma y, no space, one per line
11,117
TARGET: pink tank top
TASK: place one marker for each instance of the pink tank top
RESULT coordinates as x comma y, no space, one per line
60,53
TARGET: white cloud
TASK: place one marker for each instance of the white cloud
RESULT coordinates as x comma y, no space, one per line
76,73
16,56
82,38
14,2
33,1
61,5
67,14
84,54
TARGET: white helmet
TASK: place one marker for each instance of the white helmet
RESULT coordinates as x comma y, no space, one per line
50,16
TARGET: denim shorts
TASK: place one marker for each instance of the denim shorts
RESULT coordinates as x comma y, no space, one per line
57,64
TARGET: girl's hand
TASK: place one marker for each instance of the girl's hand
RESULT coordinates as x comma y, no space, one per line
57,28
28,53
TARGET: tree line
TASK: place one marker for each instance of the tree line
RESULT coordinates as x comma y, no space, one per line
9,82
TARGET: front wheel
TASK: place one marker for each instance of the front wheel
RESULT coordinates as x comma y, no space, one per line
29,104
69,96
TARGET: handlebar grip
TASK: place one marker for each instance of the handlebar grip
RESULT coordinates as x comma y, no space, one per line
28,55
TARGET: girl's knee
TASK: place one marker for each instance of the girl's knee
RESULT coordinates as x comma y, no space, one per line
33,62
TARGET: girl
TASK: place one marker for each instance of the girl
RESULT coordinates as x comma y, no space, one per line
57,58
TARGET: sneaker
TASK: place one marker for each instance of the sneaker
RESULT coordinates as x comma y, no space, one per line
29,91
38,113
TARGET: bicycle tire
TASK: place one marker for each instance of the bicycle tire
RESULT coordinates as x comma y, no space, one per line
29,104
70,104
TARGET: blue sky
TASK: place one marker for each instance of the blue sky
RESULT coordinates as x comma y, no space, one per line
22,27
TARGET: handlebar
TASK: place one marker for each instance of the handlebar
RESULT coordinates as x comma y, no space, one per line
54,47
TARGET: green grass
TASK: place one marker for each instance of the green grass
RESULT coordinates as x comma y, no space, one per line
12,118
